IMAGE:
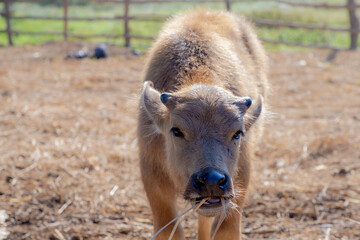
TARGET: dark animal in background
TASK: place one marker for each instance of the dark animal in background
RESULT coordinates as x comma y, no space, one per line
100,51
81,54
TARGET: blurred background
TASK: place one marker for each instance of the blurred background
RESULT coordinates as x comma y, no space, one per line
318,23
70,77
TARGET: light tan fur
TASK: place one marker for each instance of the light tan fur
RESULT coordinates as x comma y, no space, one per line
207,62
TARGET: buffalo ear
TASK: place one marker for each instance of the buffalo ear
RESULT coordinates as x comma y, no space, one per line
151,101
155,103
253,113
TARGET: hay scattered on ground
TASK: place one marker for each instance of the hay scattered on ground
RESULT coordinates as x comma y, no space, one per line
68,165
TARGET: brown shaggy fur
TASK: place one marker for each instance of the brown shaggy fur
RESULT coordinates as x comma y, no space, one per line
207,62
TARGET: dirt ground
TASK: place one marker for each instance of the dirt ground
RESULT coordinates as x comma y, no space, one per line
68,151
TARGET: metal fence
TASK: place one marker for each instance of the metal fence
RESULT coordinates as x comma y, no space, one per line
350,5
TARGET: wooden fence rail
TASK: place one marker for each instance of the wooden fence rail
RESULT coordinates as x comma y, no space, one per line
351,6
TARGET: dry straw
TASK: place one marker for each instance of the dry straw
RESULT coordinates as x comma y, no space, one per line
178,218
195,208
221,219
177,223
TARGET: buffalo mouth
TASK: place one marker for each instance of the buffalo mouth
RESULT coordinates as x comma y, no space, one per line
212,206
209,203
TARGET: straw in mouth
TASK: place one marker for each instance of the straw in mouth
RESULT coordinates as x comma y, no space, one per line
212,200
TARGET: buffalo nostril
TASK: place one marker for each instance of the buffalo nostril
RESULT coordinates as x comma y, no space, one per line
223,182
202,178
198,182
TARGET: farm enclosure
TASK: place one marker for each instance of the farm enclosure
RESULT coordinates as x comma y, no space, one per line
68,154
321,24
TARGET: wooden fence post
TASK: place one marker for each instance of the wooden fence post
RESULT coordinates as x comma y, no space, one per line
66,8
8,18
126,23
228,5
354,25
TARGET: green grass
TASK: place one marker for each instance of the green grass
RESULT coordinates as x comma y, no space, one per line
273,11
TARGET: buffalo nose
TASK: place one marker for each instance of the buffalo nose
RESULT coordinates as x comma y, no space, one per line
212,179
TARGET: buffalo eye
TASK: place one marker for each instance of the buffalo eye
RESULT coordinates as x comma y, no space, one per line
238,134
177,133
